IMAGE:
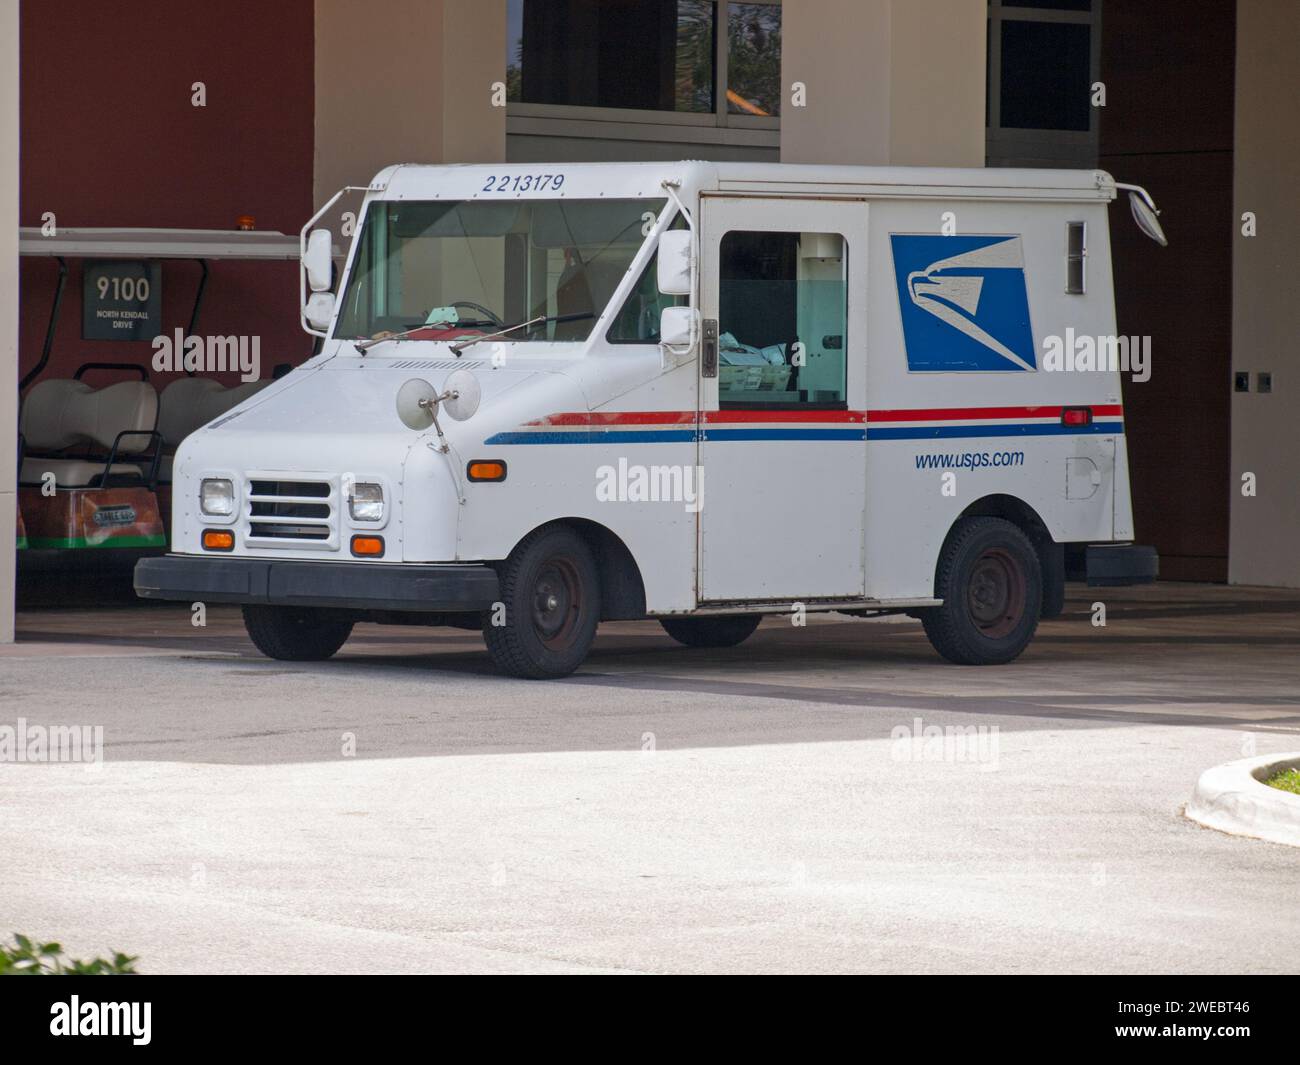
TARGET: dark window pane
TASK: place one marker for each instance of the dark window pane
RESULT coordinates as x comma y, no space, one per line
754,59
776,290
654,55
1045,83
638,320
694,59
1051,5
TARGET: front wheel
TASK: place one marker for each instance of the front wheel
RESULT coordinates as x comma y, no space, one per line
991,584
550,589
295,634
711,631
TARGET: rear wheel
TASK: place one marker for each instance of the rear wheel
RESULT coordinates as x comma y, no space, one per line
711,632
991,584
550,588
295,634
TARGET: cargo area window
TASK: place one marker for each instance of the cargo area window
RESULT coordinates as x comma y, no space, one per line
782,318
1076,257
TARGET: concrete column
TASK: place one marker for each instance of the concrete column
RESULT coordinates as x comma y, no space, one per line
1265,529
8,309
406,81
889,82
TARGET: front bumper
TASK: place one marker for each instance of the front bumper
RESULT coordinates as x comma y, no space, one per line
341,585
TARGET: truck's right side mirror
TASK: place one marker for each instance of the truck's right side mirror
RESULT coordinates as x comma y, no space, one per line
1146,217
677,327
675,262
317,260
319,309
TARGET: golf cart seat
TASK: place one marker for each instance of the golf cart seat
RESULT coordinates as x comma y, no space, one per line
63,415
187,405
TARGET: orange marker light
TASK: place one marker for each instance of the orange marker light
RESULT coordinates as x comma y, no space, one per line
367,546
486,470
218,540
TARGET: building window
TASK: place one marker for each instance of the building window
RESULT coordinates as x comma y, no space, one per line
647,56
754,59
645,69
1042,64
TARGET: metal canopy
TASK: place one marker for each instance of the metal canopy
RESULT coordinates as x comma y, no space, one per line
199,245
159,244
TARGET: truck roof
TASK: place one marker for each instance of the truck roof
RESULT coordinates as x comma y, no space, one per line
417,180
1092,184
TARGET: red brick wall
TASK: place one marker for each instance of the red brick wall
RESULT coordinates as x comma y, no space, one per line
109,138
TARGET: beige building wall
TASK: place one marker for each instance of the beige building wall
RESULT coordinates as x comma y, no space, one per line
1264,531
405,81
897,82
8,309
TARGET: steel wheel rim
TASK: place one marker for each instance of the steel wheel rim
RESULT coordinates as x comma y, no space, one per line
557,603
996,593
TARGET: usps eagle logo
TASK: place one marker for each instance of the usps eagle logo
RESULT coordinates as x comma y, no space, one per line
963,302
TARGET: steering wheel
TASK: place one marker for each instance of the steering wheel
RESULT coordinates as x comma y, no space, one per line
490,315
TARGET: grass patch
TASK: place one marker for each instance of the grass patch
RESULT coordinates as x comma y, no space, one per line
1287,780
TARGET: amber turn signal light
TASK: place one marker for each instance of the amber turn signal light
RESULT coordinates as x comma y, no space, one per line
486,470
367,546
218,540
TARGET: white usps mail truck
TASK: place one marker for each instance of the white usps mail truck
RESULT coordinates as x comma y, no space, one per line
551,395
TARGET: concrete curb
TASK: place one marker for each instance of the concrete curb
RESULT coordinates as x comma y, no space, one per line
1234,798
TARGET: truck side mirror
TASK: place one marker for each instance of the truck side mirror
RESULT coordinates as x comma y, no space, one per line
319,309
677,327
317,260
675,262
1145,215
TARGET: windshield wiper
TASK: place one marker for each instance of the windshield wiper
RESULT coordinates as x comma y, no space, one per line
364,345
541,319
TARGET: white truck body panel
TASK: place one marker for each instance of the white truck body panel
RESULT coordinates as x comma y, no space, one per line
829,506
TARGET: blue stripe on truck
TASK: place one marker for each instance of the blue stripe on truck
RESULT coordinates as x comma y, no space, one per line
684,436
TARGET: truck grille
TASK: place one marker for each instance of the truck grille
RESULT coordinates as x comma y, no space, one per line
290,513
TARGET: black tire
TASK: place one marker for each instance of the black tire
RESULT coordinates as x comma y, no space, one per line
991,584
725,631
550,587
295,634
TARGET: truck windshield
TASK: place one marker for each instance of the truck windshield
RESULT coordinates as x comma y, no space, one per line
470,267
